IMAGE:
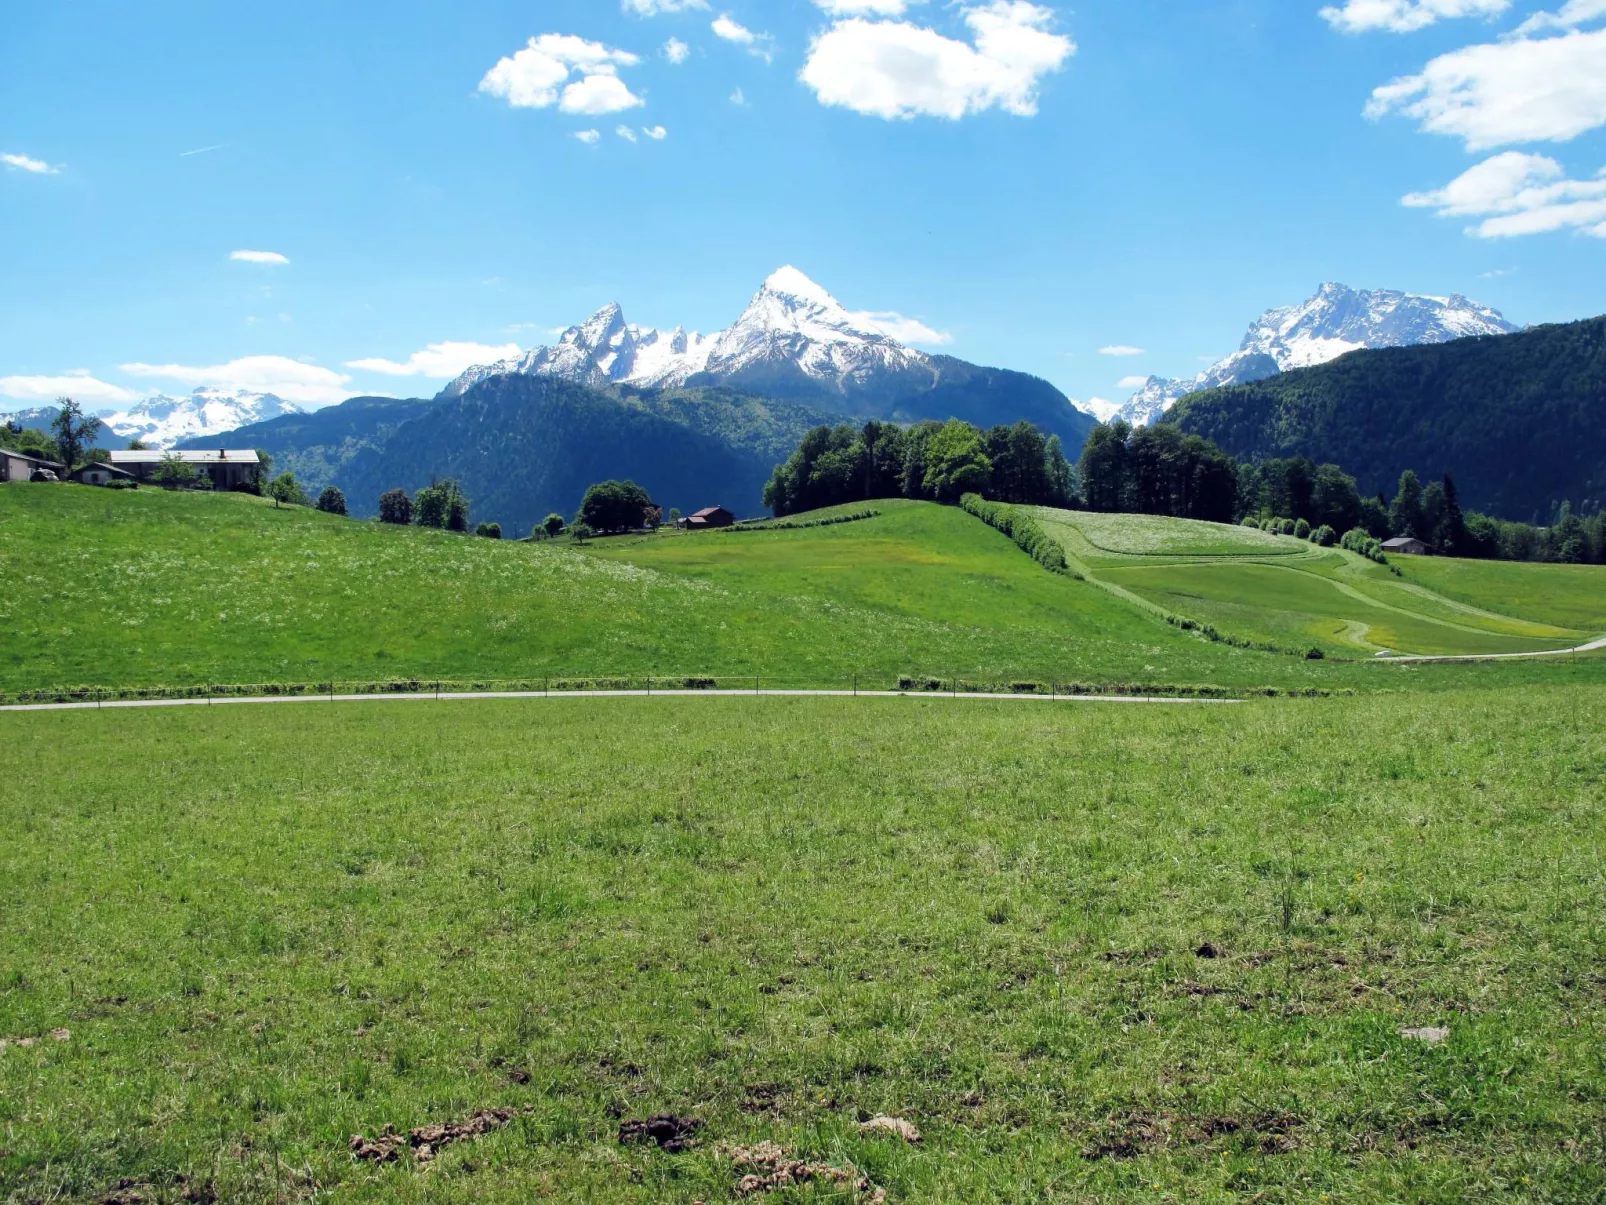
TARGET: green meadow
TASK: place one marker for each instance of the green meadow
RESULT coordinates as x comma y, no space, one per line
1255,585
1145,953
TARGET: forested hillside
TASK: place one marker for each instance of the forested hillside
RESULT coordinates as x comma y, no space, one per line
525,446
317,447
1520,420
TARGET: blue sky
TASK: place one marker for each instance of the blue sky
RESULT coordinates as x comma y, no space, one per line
1033,182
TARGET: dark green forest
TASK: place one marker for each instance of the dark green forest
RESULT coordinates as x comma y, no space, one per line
1519,420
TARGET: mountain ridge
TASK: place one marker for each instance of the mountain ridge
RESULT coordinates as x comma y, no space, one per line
1335,321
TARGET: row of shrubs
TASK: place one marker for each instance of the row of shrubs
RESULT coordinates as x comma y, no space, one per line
417,686
1323,536
855,517
1213,634
1021,528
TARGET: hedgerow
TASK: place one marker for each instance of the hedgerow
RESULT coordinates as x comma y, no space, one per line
1021,528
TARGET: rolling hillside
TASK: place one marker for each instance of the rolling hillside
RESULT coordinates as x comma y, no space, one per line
189,589
1520,420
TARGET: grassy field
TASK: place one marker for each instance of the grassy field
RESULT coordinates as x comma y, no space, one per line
1137,954
1254,585
150,588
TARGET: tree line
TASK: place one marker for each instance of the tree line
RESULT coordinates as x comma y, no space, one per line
929,460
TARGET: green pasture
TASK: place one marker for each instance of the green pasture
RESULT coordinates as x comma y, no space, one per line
1569,596
1291,591
1129,954
149,587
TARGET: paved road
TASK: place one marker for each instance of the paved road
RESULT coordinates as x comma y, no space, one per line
605,694
1583,648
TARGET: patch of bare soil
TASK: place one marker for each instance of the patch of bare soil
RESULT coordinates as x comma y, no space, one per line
768,1166
426,1141
671,1133
895,1126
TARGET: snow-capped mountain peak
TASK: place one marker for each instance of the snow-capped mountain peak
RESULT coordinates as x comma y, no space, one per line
1337,320
794,336
162,421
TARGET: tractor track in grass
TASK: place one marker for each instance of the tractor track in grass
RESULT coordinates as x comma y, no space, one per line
462,696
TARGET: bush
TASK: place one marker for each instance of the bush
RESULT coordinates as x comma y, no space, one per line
551,527
581,532
442,505
1301,530
1359,540
332,501
491,531
1324,536
1251,521
1018,526
395,507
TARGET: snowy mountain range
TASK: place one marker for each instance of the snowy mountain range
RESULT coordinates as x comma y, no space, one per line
1336,320
793,338
793,342
161,421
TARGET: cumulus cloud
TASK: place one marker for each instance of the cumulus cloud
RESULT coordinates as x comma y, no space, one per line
1121,349
651,8
1515,194
1137,382
589,137
625,132
1406,16
896,326
25,163
656,133
1521,90
441,361
539,76
895,69
292,380
258,257
79,386
676,51
759,44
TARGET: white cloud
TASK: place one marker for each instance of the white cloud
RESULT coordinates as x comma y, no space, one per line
1406,16
656,133
442,361
893,69
25,163
1516,194
896,326
1497,273
1137,382
676,51
760,44
1522,90
1121,349
863,8
1571,15
651,8
625,132
258,257
589,137
292,380
538,76
739,99
79,386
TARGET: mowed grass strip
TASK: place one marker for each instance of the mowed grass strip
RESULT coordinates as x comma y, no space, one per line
1158,535
1092,954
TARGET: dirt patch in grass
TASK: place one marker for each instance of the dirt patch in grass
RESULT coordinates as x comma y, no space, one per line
768,1166
426,1141
671,1133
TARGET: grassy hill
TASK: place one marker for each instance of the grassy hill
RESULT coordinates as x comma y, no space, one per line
147,587
1137,956
1249,583
1520,420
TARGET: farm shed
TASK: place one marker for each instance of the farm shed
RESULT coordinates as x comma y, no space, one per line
1408,546
710,516
227,467
15,466
99,473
